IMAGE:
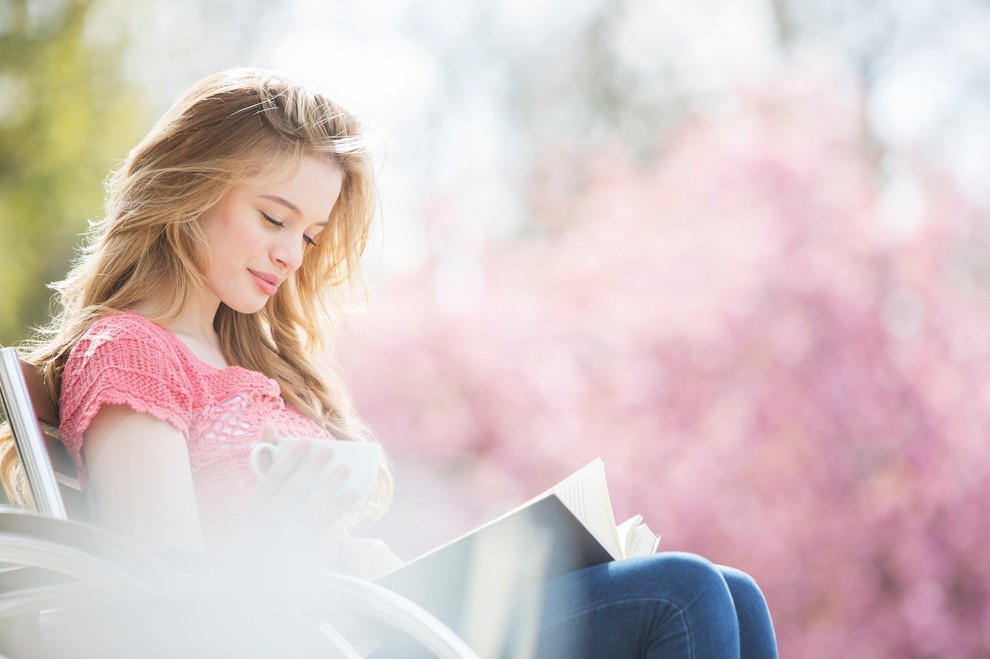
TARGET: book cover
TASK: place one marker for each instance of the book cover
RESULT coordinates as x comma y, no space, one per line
477,582
483,570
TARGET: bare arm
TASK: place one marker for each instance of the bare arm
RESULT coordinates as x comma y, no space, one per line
140,480
141,488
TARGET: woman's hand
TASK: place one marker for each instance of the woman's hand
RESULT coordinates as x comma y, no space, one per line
295,501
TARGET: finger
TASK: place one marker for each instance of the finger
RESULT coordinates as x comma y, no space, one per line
336,511
280,472
296,487
272,480
329,491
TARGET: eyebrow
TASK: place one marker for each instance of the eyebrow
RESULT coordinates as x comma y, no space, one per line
288,204
285,202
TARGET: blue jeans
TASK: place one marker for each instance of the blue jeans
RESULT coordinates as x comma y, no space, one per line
667,605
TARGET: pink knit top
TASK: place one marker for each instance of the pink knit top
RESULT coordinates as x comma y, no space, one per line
128,360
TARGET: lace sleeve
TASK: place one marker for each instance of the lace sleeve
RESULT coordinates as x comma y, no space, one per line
122,361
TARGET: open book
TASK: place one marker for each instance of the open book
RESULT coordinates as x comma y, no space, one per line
473,583
585,494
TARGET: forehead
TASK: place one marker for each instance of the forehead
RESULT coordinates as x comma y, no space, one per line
281,169
309,186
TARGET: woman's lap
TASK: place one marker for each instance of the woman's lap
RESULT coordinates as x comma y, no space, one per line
670,604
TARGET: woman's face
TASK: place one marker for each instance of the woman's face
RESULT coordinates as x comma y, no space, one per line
259,232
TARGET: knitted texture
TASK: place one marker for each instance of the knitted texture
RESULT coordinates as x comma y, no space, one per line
128,360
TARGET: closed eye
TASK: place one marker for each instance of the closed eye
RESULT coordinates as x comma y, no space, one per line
271,220
281,225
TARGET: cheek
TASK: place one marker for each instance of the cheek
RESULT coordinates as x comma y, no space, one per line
226,241
212,231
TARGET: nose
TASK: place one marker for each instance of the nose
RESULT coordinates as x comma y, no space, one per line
288,252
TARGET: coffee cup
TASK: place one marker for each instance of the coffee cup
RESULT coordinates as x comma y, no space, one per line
363,458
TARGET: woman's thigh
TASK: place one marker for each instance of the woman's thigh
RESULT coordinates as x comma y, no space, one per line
669,604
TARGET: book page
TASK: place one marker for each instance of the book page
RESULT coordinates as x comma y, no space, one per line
585,494
626,531
636,538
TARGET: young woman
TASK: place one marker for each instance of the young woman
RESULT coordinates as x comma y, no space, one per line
187,333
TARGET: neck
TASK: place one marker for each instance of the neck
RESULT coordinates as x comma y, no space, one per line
194,321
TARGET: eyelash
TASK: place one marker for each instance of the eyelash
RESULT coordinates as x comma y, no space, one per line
281,225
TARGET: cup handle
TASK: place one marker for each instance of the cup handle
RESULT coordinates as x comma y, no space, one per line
260,463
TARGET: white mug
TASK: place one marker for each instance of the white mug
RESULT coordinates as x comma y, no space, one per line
362,457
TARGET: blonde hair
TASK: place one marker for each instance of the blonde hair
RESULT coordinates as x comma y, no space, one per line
233,126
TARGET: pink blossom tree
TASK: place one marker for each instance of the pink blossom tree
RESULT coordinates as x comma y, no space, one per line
782,361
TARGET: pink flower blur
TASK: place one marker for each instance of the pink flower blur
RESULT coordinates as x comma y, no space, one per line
778,374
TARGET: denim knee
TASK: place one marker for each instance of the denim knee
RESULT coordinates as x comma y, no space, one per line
696,615
746,594
680,576
757,636
739,582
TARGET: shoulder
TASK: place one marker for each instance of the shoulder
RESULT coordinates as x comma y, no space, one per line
124,360
127,347
125,332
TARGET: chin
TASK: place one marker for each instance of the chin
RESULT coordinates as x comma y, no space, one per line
247,307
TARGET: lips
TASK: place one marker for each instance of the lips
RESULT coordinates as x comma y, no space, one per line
266,282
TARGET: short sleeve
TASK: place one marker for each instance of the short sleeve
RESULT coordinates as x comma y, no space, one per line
122,360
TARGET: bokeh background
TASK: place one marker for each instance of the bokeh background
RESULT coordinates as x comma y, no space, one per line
736,248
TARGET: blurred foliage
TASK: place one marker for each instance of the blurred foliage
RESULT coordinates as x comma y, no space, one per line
65,114
80,81
563,78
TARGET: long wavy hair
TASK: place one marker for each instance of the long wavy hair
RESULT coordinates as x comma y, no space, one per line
233,126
